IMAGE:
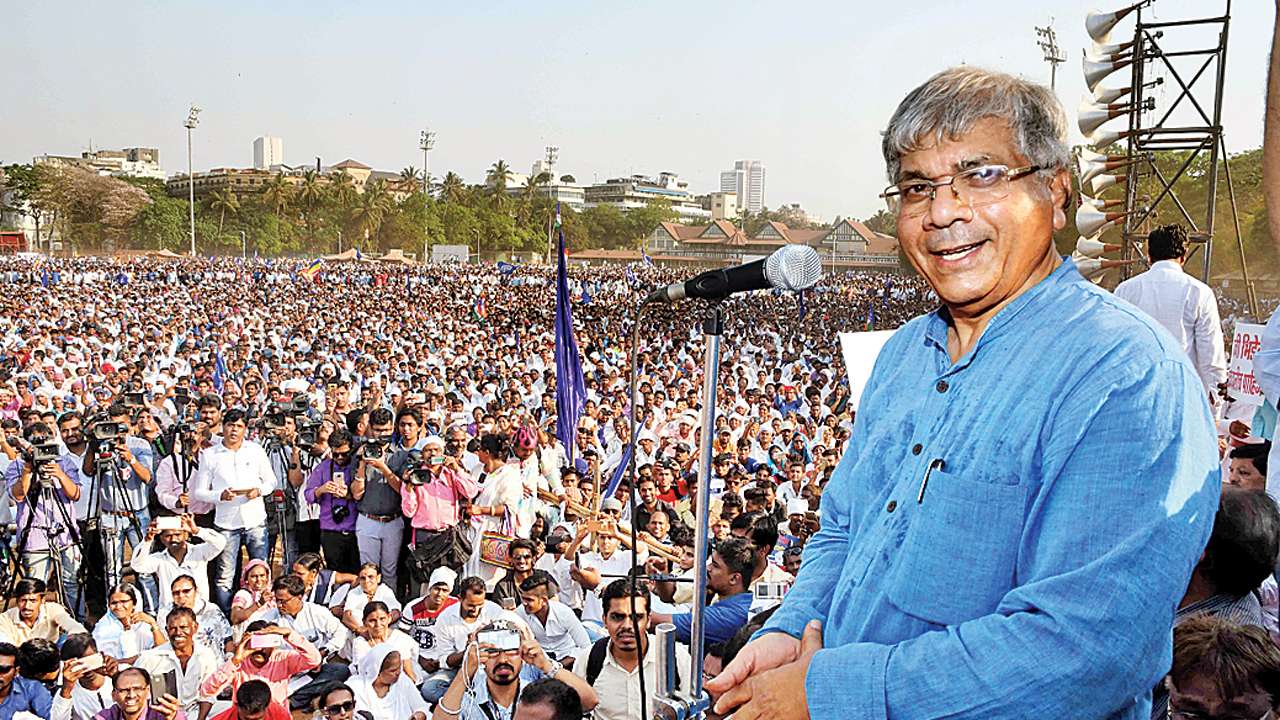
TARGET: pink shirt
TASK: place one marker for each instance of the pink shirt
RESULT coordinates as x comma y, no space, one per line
434,506
283,665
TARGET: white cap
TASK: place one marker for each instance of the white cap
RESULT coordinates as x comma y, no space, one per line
442,576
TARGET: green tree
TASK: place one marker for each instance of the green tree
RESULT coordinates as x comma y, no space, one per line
222,202
277,194
452,188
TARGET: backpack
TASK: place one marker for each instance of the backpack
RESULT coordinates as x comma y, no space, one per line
595,662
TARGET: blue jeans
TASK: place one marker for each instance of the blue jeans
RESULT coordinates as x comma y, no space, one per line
37,564
254,540
437,684
115,532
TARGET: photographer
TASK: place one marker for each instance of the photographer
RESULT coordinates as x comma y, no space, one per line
120,464
376,489
175,473
280,437
45,488
329,486
432,497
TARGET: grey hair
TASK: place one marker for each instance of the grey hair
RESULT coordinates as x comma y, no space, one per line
948,105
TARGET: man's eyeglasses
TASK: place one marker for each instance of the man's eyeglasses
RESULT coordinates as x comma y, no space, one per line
6,669
983,185
342,707
497,652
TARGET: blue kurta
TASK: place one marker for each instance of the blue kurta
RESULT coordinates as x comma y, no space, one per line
1074,486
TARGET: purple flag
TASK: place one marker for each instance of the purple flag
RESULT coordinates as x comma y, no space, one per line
571,391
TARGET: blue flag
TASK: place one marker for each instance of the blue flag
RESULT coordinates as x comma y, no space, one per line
506,268
571,391
631,276
800,301
618,472
219,372
645,257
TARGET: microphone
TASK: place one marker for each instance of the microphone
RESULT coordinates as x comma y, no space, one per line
790,267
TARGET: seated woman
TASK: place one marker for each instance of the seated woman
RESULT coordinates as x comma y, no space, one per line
378,630
125,631
254,594
368,588
383,690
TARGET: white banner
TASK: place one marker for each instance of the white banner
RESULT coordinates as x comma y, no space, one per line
1240,381
860,352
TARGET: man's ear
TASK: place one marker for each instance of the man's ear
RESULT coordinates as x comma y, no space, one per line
1063,199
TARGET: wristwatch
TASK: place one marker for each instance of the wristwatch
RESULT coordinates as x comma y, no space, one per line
556,667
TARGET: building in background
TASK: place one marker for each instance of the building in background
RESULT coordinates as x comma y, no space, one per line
846,245
138,162
746,179
267,151
639,191
723,205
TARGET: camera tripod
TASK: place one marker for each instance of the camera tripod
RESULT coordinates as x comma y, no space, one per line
108,486
41,493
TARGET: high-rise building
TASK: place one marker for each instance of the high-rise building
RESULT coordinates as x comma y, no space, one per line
746,179
267,151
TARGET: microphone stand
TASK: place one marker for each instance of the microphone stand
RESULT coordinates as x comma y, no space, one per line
669,703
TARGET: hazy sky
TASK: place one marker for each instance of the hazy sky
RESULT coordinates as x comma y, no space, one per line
637,88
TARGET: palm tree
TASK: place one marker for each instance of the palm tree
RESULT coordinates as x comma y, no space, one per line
276,194
310,196
221,201
498,176
452,189
529,194
371,209
343,189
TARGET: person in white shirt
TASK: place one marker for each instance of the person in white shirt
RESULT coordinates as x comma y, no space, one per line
84,692
126,631
179,557
189,661
554,626
318,626
235,476
369,587
453,631
1182,304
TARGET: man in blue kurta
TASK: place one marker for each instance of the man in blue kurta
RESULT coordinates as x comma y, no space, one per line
1033,472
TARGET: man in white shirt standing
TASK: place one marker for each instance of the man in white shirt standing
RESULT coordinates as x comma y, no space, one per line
1185,306
235,476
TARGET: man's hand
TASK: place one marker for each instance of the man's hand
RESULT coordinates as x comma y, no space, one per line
72,671
253,494
184,501
431,665
189,523
764,653
532,653
168,706
778,694
227,495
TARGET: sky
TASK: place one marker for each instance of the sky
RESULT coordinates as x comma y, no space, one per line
686,87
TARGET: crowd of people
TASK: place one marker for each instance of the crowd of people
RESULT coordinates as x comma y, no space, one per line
239,489
245,488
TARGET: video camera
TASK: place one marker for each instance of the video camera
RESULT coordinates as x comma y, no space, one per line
419,467
133,399
105,431
375,448
308,432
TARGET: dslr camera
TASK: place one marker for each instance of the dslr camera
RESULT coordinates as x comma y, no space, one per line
374,448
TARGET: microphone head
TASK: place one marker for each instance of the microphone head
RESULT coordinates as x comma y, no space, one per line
793,267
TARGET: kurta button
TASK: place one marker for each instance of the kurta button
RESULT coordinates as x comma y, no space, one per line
942,386
915,449
893,505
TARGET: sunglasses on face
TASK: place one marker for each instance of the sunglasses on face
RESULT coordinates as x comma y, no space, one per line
343,707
